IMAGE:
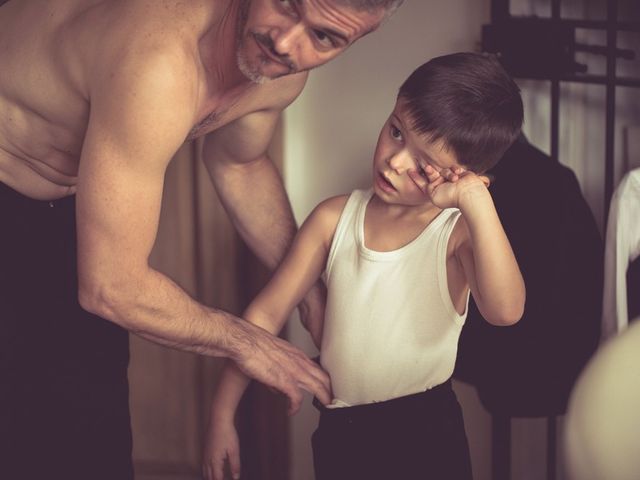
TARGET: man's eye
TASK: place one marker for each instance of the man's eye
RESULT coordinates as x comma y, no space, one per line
286,4
323,39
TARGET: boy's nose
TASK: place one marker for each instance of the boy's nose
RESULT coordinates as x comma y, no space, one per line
400,162
286,37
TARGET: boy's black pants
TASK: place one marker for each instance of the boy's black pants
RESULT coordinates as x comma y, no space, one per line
419,436
64,410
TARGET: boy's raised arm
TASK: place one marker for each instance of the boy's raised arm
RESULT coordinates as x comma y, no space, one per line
481,245
487,259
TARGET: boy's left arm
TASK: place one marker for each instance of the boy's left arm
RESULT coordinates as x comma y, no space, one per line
481,244
487,259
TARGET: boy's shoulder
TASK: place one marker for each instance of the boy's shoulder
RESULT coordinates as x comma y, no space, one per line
333,205
329,210
325,217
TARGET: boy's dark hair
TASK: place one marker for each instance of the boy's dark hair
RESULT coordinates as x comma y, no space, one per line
468,101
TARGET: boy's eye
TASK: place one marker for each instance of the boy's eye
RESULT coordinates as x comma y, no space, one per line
395,132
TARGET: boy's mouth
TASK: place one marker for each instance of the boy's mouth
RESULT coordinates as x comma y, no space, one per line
384,182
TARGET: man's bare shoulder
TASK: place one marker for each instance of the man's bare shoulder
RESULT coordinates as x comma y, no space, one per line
283,91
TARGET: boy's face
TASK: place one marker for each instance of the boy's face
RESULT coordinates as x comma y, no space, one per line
401,149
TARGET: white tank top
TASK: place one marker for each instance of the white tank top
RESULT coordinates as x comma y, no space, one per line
390,327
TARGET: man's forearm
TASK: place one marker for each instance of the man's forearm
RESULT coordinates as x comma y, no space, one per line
253,194
151,305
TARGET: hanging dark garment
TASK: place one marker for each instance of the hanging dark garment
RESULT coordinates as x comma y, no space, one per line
528,370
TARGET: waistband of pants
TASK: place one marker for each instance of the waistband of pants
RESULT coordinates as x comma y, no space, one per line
438,394
13,198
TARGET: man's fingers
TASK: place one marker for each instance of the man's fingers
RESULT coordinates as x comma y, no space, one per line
318,388
295,400
308,375
281,366
313,380
322,389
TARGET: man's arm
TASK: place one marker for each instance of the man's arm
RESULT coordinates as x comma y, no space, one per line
141,111
252,192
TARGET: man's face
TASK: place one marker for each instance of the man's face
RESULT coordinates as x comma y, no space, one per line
400,149
280,37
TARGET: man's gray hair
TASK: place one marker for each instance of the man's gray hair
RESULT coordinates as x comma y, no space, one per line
372,5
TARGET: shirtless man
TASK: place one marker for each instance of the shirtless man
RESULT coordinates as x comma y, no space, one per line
95,98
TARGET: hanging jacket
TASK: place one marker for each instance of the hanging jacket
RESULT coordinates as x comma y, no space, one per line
528,369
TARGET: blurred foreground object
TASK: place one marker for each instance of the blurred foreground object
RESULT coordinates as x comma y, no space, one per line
602,440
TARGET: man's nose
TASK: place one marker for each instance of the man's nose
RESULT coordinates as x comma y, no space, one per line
285,39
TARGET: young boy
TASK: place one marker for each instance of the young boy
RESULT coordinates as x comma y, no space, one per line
399,261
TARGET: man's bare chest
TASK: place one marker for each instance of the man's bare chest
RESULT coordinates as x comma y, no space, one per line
220,110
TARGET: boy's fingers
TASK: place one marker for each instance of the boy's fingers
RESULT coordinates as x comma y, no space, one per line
436,183
419,180
217,469
486,180
431,173
234,464
449,175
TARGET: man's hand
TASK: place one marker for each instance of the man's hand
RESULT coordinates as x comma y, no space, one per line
221,445
280,366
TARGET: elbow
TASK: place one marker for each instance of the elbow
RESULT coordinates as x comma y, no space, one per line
507,318
506,315
102,298
96,298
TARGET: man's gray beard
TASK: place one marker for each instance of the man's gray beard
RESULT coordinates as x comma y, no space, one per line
242,61
251,73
